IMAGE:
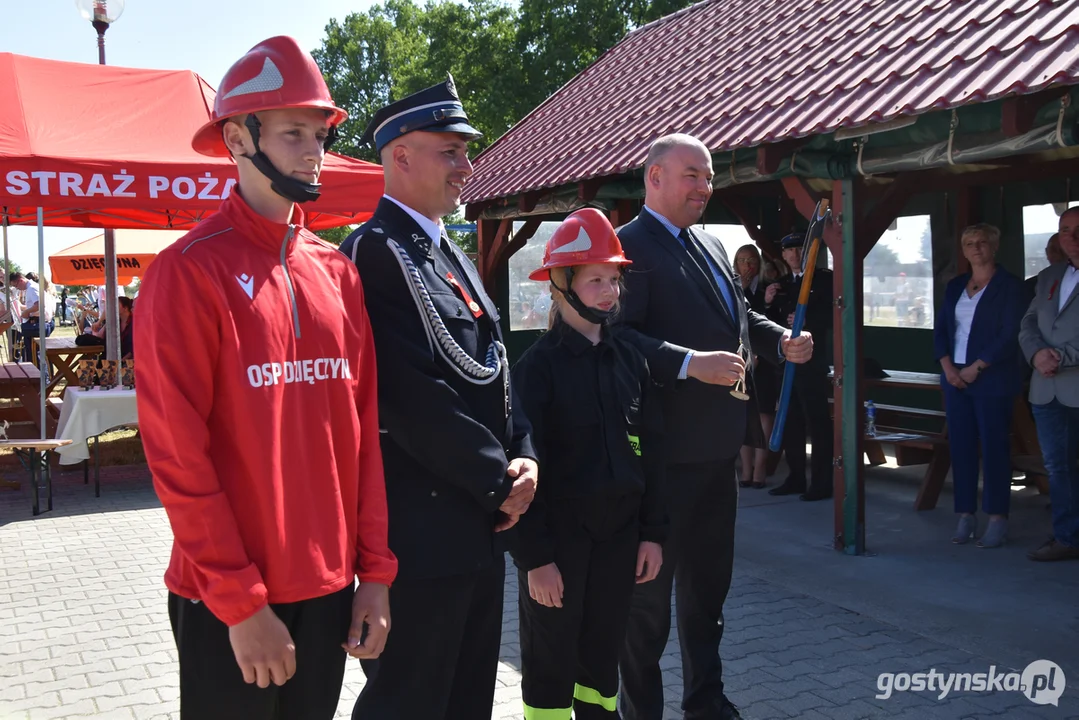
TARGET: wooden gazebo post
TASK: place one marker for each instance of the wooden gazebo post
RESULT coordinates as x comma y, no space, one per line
850,469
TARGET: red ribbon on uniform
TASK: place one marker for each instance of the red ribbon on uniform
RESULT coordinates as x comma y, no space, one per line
1053,289
473,306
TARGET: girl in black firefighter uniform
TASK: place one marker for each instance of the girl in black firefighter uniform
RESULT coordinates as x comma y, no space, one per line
597,521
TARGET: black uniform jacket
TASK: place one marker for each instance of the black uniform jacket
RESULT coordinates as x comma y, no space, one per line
596,423
669,298
755,298
819,315
446,442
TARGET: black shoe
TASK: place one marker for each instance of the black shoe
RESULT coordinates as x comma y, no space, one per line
790,486
729,711
813,495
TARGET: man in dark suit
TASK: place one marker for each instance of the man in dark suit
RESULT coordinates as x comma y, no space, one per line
455,443
809,413
681,289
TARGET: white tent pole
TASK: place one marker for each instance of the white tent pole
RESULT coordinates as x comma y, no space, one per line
112,308
7,283
42,366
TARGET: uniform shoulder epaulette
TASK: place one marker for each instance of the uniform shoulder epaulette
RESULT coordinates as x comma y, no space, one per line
371,227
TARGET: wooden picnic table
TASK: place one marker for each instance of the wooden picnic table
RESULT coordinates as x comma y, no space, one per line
63,356
1024,431
22,381
1025,448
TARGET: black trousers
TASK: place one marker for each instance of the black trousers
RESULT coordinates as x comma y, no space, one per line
212,684
698,558
809,417
30,330
441,658
569,655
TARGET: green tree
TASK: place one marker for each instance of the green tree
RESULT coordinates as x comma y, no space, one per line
398,48
926,244
881,261
337,235
506,60
11,267
477,44
557,39
361,58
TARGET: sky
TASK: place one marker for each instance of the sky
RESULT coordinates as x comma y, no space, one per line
206,36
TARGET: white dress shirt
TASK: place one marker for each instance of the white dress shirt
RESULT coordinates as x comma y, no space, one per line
964,317
434,230
721,281
1067,285
30,297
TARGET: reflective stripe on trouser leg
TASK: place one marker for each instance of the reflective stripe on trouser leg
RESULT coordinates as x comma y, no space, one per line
532,713
593,697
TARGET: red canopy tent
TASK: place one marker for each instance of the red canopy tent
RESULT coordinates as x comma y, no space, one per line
110,147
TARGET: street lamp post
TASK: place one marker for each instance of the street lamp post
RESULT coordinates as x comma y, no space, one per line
102,14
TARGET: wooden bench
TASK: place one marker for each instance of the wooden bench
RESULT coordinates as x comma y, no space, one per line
34,456
22,381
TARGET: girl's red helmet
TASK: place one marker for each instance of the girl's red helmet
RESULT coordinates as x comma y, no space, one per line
586,237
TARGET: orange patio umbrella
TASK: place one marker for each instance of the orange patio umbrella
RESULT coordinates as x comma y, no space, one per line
84,263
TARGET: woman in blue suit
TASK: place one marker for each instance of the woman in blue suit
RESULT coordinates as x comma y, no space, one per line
976,343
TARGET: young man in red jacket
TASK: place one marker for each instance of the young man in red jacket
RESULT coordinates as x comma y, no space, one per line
261,427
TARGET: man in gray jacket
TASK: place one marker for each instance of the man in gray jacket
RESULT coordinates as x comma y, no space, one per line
1049,337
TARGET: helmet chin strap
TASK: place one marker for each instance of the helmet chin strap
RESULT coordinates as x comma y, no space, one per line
285,186
596,317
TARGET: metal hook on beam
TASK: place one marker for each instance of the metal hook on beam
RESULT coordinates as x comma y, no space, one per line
1065,101
951,135
861,146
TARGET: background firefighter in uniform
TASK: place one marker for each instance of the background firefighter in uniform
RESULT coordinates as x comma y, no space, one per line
809,413
455,444
274,489
597,521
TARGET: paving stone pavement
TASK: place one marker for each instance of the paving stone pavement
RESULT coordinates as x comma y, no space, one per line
86,634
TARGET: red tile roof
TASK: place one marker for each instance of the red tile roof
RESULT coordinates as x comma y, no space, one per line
742,73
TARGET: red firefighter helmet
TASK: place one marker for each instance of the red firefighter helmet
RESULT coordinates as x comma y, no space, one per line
274,75
584,238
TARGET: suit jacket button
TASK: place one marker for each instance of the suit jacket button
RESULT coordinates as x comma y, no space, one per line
491,494
434,493
459,312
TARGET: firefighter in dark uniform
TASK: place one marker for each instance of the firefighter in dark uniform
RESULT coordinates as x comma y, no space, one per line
596,524
459,462
809,397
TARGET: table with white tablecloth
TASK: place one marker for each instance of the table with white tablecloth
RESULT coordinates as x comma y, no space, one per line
88,413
